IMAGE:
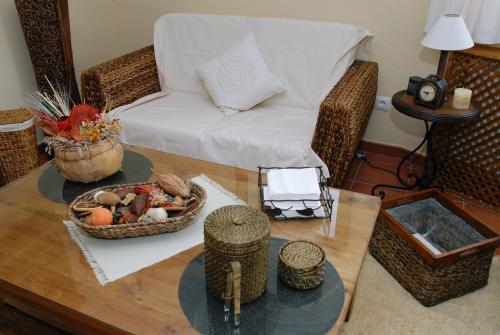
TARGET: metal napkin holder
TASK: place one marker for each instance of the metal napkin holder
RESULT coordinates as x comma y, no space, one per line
270,206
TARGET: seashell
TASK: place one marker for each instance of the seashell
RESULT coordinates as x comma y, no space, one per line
154,215
173,184
128,199
139,203
178,202
96,194
101,217
107,198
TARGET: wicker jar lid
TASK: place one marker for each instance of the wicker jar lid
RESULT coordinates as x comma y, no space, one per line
15,116
302,255
236,228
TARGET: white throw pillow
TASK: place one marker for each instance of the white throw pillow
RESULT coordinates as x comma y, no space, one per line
239,79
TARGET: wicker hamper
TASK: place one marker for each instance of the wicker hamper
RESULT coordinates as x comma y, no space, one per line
18,150
237,242
432,247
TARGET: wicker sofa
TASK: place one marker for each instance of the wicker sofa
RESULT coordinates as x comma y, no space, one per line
340,124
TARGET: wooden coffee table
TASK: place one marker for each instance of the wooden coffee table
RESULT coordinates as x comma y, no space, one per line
44,273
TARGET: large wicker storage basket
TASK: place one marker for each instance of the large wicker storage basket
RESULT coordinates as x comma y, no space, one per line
89,164
18,153
236,243
433,276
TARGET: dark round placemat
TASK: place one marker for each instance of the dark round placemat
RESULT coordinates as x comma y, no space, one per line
280,310
51,184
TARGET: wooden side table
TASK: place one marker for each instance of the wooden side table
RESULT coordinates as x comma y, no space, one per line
404,103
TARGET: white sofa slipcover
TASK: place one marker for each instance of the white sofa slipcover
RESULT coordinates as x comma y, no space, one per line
308,57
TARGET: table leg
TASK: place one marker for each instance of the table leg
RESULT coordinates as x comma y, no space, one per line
349,310
418,180
431,165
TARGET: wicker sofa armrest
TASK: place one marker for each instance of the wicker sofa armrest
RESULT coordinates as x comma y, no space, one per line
121,80
343,117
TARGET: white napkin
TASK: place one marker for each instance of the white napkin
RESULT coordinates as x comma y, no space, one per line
114,259
293,184
290,205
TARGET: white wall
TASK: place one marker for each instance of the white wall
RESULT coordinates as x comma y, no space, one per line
16,72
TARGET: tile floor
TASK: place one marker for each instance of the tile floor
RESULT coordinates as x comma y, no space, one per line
361,178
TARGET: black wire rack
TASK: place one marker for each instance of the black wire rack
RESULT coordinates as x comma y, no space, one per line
274,211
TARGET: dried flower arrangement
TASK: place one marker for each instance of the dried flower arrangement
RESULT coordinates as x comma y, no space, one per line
77,126
84,140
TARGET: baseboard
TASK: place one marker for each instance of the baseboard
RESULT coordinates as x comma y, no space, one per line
390,150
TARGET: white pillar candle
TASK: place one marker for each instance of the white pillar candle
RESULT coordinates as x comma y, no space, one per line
461,98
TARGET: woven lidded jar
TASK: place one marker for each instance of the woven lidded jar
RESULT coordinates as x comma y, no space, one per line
301,264
236,237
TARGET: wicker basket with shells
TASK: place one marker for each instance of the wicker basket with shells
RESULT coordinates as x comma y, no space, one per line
132,210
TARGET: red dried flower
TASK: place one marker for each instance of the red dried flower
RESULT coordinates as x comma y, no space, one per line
82,112
79,114
63,123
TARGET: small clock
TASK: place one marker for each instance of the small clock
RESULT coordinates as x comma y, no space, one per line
431,92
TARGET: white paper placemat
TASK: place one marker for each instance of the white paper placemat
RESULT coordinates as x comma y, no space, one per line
114,259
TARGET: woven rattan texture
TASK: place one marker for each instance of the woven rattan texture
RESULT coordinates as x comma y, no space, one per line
169,225
469,153
302,254
301,264
122,80
343,117
18,150
221,249
430,286
47,38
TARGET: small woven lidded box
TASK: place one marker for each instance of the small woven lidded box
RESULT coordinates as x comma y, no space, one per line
237,242
301,264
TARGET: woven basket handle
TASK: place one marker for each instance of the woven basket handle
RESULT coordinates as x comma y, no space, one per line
233,285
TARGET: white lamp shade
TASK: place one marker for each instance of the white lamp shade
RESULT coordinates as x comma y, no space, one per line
448,33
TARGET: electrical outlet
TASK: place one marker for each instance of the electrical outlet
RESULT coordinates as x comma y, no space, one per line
382,103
